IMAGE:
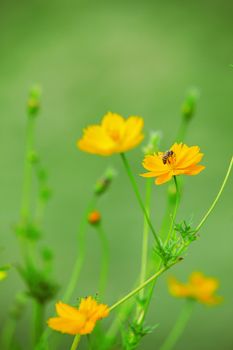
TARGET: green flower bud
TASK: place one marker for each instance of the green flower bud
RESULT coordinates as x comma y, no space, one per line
104,182
33,104
153,144
189,105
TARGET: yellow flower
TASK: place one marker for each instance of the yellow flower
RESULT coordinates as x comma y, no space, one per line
180,159
114,135
198,287
80,320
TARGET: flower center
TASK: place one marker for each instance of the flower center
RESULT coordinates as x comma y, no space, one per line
115,135
168,157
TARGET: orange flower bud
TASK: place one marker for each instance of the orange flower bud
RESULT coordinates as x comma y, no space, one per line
94,217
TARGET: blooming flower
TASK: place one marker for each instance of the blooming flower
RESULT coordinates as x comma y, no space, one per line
180,159
114,135
94,217
80,320
198,287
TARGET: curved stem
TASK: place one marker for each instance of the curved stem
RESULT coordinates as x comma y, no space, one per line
140,201
76,341
146,306
217,197
105,259
179,326
81,252
141,286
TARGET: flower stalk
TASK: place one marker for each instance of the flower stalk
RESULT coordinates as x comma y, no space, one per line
139,199
76,342
179,326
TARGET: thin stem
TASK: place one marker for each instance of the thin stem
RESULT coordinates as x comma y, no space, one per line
27,178
182,130
105,259
217,197
141,286
179,326
81,252
146,306
145,237
175,209
39,321
140,201
76,341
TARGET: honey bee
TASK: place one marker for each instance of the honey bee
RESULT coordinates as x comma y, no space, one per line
166,155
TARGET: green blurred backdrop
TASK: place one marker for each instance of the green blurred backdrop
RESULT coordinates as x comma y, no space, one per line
131,57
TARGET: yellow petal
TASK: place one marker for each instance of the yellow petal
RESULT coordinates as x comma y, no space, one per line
95,140
64,325
155,164
194,170
113,121
163,178
133,133
67,311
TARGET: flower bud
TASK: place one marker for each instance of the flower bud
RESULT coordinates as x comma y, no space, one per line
153,144
33,103
104,182
94,217
189,105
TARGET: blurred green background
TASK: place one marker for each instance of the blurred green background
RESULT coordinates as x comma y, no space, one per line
130,57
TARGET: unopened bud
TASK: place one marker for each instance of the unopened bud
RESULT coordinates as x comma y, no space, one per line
94,217
189,105
33,104
104,182
153,144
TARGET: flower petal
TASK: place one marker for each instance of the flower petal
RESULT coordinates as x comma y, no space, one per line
194,170
163,178
67,311
64,325
95,140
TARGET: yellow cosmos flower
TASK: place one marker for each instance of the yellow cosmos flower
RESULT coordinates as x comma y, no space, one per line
198,287
80,320
114,135
180,159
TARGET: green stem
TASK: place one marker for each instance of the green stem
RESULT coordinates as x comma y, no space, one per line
27,178
179,326
182,130
175,210
141,286
81,252
105,259
39,321
217,197
76,341
146,306
140,201
144,256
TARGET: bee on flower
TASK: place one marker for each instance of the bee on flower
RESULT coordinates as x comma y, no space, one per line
179,159
81,320
114,134
198,287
